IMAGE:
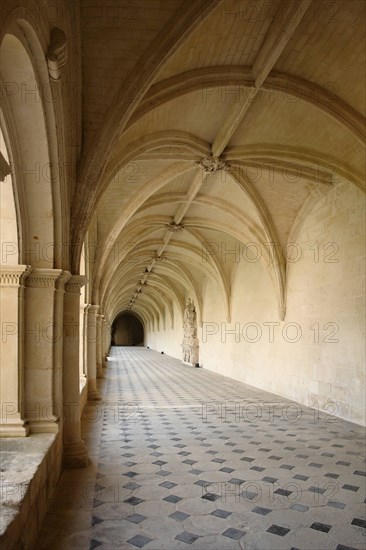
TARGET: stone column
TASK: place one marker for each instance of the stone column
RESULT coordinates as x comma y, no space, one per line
105,341
58,345
12,422
74,452
99,348
42,332
91,335
108,338
82,348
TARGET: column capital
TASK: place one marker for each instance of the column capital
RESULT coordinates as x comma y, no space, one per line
62,280
93,309
75,283
43,278
13,275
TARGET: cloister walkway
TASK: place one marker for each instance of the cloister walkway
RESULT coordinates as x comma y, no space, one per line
185,458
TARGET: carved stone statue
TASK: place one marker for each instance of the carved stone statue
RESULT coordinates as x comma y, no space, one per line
190,340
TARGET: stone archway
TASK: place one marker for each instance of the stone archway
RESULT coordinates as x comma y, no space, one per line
127,330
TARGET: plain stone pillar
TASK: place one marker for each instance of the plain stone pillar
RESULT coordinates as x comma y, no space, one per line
99,347
91,335
82,347
105,341
74,452
12,422
42,332
58,345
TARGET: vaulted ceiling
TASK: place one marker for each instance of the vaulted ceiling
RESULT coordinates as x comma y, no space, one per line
207,124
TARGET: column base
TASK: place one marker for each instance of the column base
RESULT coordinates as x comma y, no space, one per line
14,429
94,395
100,373
93,392
43,426
75,455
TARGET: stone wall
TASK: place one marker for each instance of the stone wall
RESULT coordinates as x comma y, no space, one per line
316,355
32,468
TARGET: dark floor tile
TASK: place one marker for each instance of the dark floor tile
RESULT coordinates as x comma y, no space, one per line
261,511
221,513
227,470
172,498
136,518
232,533
299,507
287,467
211,497
269,479
359,522
167,485
187,537
236,481
179,516
282,492
278,530
317,490
202,483
336,504
134,501
348,487
323,527
139,540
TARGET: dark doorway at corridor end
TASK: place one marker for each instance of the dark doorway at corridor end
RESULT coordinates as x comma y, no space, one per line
127,330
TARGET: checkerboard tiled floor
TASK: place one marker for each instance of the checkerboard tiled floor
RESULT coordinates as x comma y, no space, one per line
184,458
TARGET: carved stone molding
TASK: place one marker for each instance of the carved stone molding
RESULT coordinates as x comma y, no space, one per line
210,165
57,53
157,258
93,309
175,227
13,275
282,312
43,278
75,283
62,280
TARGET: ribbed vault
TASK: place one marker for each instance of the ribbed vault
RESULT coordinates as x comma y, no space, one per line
216,156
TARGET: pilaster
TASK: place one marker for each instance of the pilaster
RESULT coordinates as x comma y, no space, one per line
74,452
12,417
41,334
91,335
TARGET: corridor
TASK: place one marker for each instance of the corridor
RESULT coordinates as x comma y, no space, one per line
186,458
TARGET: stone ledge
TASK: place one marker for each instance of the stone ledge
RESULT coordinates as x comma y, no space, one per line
30,468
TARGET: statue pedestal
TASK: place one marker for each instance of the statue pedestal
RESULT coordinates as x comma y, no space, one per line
190,352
